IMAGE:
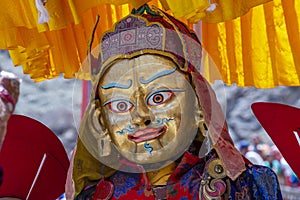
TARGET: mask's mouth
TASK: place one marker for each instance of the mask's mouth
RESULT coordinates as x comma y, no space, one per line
147,134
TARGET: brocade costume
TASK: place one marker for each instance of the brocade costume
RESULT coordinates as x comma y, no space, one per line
190,180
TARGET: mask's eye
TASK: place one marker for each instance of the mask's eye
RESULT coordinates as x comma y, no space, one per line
159,97
119,106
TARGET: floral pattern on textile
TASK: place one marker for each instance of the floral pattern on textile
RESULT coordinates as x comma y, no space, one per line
187,188
240,188
188,161
265,183
186,182
257,182
123,183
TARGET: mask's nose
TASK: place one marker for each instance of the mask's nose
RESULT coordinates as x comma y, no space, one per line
141,114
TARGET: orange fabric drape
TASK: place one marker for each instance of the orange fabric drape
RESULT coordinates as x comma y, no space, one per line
47,50
59,46
261,48
212,11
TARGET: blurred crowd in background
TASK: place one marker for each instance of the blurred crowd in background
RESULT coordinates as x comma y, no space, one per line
258,152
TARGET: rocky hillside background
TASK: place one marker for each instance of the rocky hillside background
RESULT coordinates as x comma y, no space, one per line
57,103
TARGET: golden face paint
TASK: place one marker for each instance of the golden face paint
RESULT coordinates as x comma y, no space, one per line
148,108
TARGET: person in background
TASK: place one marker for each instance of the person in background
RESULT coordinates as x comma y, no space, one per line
256,141
287,176
246,149
272,163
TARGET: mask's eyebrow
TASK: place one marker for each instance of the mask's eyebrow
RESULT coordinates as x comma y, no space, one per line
156,76
117,85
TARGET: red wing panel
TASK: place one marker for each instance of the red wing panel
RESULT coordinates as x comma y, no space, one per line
282,123
33,159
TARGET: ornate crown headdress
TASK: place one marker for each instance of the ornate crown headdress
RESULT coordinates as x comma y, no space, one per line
152,32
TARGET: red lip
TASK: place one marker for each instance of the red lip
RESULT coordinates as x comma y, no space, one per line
147,134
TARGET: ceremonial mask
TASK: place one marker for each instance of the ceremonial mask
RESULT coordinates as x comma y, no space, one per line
149,108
